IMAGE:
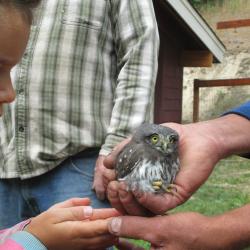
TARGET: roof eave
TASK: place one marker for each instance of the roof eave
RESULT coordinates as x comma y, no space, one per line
202,30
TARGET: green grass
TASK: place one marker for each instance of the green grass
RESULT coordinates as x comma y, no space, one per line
227,188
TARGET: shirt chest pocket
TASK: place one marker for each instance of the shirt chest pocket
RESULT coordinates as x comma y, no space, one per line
85,13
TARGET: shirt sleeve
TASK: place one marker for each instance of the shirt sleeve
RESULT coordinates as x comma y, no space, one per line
27,241
15,238
22,240
242,110
6,233
136,41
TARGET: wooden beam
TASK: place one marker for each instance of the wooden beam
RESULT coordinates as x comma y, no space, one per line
194,58
196,102
221,82
233,24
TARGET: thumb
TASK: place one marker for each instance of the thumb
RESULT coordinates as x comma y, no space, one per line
134,227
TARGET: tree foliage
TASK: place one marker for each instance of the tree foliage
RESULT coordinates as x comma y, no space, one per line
199,3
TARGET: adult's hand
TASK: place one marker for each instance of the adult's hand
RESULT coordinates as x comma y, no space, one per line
188,230
73,225
199,149
198,155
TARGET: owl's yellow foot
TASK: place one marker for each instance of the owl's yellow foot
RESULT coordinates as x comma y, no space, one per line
157,185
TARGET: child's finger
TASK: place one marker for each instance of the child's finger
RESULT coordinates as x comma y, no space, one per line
81,213
72,203
78,213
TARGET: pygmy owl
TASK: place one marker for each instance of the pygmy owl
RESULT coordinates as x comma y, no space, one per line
149,162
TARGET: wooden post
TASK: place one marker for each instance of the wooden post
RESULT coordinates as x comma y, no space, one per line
196,101
213,83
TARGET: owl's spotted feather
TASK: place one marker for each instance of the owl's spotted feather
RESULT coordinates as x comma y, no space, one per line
150,157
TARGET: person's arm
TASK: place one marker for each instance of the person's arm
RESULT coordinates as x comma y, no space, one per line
136,41
188,230
202,145
68,225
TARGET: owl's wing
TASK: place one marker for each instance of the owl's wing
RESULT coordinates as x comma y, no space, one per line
128,159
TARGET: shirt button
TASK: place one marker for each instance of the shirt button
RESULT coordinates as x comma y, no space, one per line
21,129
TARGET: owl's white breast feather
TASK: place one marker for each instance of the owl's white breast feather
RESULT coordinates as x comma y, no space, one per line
143,175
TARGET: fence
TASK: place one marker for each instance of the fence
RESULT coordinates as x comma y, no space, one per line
210,84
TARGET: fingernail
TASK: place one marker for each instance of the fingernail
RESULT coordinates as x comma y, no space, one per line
88,211
115,225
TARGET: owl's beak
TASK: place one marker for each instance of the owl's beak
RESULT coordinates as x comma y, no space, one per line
164,146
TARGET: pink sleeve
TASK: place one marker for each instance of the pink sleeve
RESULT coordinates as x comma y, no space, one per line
9,244
4,234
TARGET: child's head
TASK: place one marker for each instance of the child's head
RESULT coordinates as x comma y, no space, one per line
15,20
24,7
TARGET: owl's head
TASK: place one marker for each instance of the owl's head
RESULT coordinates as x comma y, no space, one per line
163,139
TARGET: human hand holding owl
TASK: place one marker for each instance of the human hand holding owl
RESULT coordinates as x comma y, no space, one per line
194,147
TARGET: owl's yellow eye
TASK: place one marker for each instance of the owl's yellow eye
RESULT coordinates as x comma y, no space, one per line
154,138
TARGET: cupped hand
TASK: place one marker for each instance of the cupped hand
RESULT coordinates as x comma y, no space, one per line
176,232
188,230
199,152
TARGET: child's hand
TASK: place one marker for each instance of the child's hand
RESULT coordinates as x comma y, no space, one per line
73,225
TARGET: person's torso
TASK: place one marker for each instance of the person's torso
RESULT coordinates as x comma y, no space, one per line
64,88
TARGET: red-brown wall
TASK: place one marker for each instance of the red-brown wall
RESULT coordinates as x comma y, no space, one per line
168,96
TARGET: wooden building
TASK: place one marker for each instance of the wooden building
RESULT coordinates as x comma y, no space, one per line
186,40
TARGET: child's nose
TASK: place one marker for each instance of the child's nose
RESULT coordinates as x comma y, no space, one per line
7,92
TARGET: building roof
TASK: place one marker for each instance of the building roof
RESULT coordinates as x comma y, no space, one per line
195,22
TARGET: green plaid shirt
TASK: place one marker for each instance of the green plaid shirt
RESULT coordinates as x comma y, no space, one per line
86,80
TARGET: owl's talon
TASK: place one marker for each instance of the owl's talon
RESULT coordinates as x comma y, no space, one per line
172,189
156,188
157,183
